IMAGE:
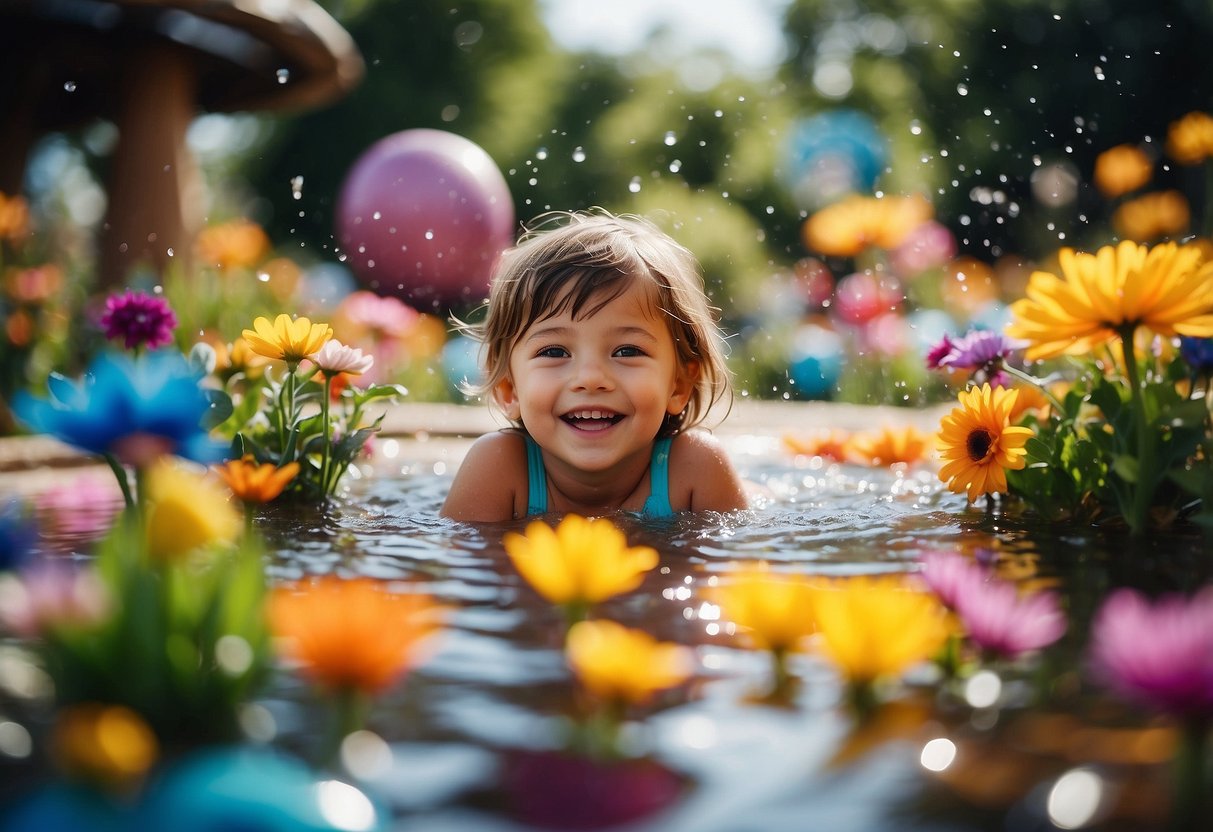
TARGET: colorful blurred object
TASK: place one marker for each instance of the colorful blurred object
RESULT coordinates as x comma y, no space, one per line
832,154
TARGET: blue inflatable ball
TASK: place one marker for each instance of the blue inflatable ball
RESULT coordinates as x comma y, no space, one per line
837,152
461,362
251,789
62,807
815,361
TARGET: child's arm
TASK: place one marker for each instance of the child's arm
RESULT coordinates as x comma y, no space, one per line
701,472
485,486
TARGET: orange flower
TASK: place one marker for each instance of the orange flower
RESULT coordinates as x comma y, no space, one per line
1121,169
355,634
1030,398
232,245
1161,214
828,444
978,442
890,445
1190,139
253,483
852,225
14,217
106,744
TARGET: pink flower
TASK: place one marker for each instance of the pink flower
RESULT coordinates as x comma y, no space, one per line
951,576
139,319
1001,621
1158,654
939,352
84,507
335,357
49,596
379,317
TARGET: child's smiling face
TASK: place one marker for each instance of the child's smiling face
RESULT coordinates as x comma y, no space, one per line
593,391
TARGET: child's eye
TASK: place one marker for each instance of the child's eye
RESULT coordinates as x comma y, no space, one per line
552,352
629,352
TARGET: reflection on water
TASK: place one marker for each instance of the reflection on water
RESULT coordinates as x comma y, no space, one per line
472,740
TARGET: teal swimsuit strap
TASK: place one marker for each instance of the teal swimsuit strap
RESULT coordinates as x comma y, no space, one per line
536,479
658,503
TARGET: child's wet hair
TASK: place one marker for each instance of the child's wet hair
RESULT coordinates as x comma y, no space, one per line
578,263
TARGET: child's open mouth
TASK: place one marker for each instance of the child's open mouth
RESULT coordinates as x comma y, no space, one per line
592,419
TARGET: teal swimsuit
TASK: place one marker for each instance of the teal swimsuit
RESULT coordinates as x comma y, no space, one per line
657,506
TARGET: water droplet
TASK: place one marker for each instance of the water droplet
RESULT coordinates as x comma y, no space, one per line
170,252
297,186
69,86
541,153
962,89
283,75
675,166
634,185
429,234
670,138
376,215
578,154
264,277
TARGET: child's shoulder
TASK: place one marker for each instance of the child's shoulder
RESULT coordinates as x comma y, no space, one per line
697,443
491,479
702,476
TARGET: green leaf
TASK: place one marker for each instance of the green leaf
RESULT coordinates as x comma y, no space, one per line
1126,467
220,409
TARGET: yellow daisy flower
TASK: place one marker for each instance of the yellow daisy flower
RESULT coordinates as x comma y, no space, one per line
580,561
979,443
876,626
285,339
856,223
1166,288
1190,139
186,511
620,665
889,446
773,609
1121,169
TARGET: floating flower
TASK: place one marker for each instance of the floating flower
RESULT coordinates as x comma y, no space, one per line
232,245
186,511
890,446
52,596
253,483
1165,288
1190,139
829,444
1153,216
624,666
979,443
1003,622
879,626
138,320
580,562
285,339
1156,653
1121,169
774,610
979,349
133,407
352,635
106,744
856,223
334,358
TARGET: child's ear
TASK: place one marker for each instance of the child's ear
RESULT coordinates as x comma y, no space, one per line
506,397
684,385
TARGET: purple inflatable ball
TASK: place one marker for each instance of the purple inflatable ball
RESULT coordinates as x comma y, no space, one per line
423,215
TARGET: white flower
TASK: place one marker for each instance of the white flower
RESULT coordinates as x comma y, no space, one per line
335,357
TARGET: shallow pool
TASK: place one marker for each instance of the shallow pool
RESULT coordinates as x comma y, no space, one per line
469,741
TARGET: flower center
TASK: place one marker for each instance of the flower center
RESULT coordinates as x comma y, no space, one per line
978,444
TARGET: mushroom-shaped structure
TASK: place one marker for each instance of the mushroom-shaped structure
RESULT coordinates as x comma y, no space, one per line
150,66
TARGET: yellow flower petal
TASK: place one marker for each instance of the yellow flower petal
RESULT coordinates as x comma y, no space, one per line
618,664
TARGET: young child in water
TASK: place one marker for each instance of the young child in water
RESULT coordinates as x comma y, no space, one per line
601,348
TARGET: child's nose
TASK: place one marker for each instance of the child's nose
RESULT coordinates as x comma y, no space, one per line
591,374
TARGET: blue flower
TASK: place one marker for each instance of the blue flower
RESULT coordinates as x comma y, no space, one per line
1198,352
18,535
134,408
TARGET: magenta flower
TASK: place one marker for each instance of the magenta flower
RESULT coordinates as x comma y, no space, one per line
939,352
979,348
951,576
1005,623
139,319
1158,654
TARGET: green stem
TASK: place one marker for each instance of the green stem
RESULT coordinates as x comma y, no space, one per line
326,445
290,412
1035,382
350,707
123,482
1142,491
1190,797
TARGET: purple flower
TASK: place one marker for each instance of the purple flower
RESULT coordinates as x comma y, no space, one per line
1158,654
979,348
951,576
139,319
939,352
1001,621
